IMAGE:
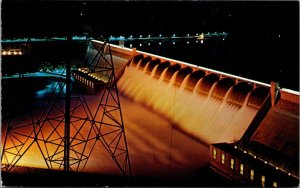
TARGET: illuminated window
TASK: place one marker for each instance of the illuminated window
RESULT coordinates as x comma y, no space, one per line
263,180
214,153
232,163
223,159
274,184
241,169
252,175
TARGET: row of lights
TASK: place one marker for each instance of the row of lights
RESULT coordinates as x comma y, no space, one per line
9,52
90,74
93,76
85,70
266,162
160,43
160,35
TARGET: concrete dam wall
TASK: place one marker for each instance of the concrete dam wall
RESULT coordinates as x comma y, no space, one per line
172,111
204,105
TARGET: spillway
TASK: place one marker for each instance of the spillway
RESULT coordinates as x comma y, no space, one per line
213,110
172,111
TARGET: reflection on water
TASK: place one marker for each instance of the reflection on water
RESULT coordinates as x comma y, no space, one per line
155,148
170,116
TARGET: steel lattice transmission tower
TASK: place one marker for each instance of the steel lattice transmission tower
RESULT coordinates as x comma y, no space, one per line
66,131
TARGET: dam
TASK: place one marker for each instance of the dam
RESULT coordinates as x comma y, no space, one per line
172,111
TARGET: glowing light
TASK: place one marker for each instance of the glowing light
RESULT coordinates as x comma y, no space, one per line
201,37
232,163
289,174
174,35
159,43
266,162
187,42
188,34
252,174
197,34
223,158
15,53
9,53
173,42
149,44
263,180
130,36
4,52
130,45
141,36
241,169
141,44
223,39
160,35
245,151
277,168
254,157
214,153
235,147
196,41
201,41
149,35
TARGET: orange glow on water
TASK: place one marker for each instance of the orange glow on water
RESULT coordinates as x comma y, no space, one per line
168,128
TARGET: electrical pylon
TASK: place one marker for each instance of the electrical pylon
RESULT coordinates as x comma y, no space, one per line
66,131
108,115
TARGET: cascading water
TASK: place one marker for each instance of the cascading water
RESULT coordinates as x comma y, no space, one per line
209,113
171,115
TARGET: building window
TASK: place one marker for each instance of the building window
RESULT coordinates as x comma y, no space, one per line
223,158
232,163
274,184
252,174
263,180
241,169
214,153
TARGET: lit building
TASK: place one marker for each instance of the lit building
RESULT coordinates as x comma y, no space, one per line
268,153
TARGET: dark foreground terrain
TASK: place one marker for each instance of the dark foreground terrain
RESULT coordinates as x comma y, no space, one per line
31,177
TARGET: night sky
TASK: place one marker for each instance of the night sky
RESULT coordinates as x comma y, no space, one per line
264,35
